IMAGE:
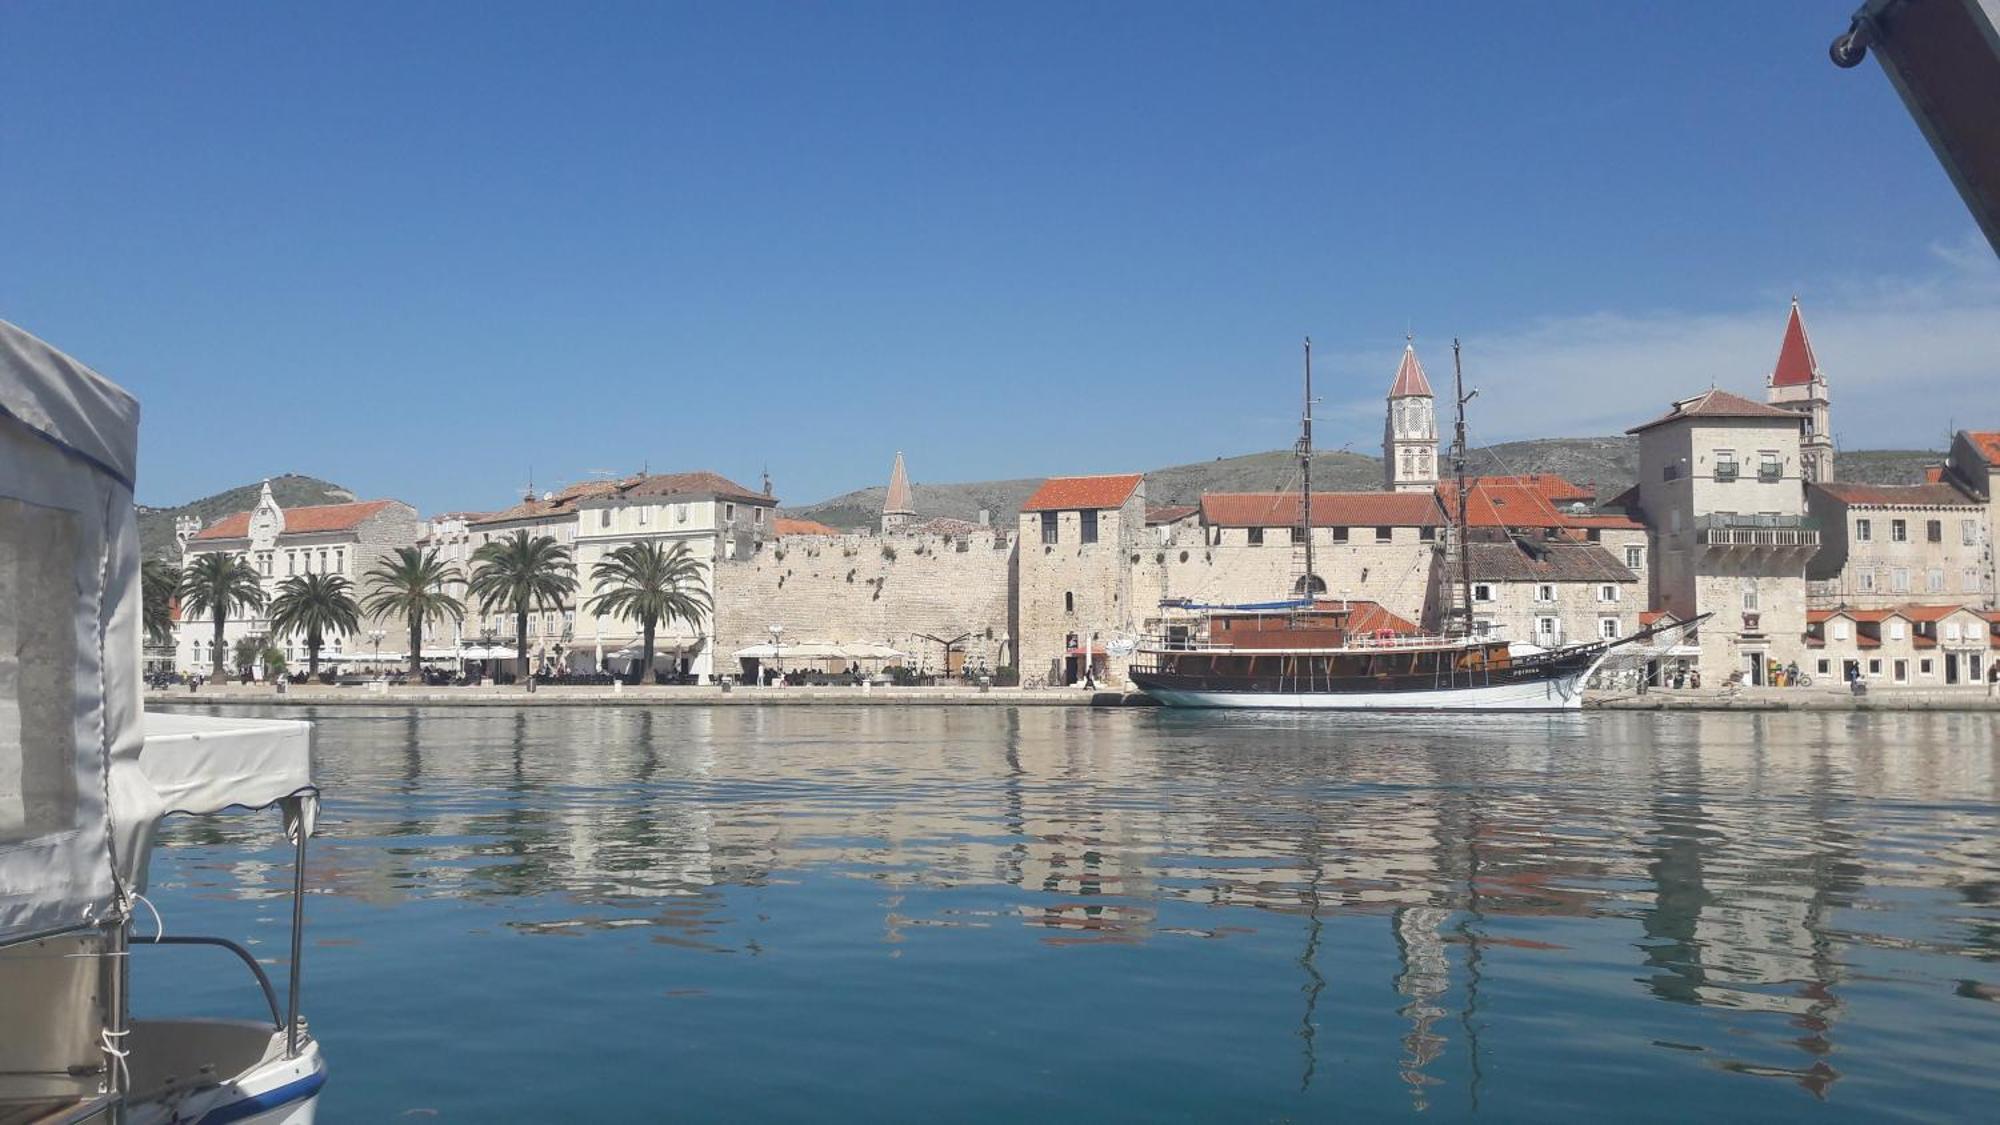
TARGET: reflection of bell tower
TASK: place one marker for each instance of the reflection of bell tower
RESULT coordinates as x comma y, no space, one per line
1796,384
1410,437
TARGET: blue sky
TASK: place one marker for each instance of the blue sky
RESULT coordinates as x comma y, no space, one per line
421,249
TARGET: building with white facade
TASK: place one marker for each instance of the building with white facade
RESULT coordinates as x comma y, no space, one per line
1912,645
279,543
718,520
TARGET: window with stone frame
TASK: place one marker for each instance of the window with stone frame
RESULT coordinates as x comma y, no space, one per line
1545,592
1049,525
1934,581
1968,533
1256,537
1864,531
1087,526
1899,580
1385,534
1482,591
1635,557
1899,531
1933,531
1340,535
1968,581
1607,627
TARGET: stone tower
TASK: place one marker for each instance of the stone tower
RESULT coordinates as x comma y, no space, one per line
1796,384
897,508
1410,436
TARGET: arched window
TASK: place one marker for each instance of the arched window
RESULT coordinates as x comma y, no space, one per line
1409,464
1318,585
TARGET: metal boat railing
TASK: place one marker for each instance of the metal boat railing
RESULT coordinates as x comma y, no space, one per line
242,954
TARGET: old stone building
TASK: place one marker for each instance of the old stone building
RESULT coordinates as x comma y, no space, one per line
1798,385
1884,545
1721,494
1248,547
551,514
1549,590
1912,644
1079,539
1409,433
1973,466
279,543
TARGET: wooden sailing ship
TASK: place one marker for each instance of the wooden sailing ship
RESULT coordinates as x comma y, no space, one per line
1314,653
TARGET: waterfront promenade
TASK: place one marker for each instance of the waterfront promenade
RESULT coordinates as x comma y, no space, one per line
1747,699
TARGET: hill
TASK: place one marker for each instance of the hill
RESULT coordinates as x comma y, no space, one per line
1608,464
156,525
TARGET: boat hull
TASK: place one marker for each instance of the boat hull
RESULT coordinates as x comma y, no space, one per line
1556,693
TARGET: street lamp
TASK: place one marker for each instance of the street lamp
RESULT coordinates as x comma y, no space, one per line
375,638
777,651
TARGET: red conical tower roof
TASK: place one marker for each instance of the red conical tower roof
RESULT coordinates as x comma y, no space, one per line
1796,365
899,501
1410,376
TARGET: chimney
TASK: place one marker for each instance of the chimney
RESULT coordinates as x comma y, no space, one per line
985,517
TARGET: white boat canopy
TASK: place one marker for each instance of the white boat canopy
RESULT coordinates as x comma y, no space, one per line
72,797
203,766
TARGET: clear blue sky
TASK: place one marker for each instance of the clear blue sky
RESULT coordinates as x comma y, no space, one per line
419,248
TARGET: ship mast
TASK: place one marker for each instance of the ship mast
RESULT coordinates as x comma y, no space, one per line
1305,452
1460,398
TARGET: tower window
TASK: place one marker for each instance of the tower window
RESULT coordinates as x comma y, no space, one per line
1089,526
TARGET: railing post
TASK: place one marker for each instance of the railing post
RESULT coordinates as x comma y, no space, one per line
298,939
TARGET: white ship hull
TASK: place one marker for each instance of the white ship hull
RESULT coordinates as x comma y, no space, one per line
1558,693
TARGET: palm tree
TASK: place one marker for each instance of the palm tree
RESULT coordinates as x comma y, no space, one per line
521,574
412,585
314,604
158,581
217,584
650,585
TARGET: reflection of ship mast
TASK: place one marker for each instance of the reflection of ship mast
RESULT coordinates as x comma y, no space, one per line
1473,953
1315,983
1424,976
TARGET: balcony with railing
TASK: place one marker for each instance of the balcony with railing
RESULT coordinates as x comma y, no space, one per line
1758,530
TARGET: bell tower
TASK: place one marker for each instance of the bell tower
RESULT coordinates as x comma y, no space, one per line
1797,384
1409,437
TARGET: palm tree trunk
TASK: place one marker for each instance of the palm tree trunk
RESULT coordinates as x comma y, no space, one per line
219,610
312,656
521,645
416,646
646,628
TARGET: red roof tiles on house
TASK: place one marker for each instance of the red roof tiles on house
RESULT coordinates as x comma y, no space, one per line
1714,403
1986,443
698,483
299,521
1329,509
1170,513
561,503
1063,493
1539,500
784,525
1410,378
1796,365
1897,495
1370,617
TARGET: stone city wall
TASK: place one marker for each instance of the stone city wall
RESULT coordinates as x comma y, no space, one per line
890,588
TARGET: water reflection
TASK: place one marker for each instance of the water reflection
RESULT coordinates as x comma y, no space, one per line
1717,862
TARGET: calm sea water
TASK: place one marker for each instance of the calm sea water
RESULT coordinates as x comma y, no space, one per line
904,914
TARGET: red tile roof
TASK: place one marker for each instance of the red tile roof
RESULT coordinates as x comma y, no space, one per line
1986,443
1796,365
1903,495
1410,378
299,521
1329,509
785,525
898,499
699,483
1370,617
1536,500
1170,513
1553,562
1063,493
560,504
1714,403
1937,612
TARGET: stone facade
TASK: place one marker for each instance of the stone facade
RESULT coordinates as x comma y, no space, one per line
1721,493
1077,537
1552,592
1885,545
903,590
